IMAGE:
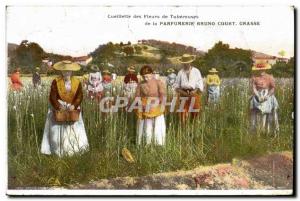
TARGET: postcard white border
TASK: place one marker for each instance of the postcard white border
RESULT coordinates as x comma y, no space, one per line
61,192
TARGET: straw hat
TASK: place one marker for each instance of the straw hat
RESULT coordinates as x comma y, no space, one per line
213,70
261,66
106,72
66,66
131,69
187,58
94,68
170,70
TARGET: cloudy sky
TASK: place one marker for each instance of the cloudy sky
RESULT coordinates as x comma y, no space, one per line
78,30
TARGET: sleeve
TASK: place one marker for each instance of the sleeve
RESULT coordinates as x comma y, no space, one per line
53,98
208,80
90,79
177,81
199,83
78,97
100,76
126,80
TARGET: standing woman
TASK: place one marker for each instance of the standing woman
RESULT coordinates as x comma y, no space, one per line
64,132
130,82
263,103
94,87
213,82
151,121
16,83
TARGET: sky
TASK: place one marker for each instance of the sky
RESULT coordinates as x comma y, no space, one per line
78,30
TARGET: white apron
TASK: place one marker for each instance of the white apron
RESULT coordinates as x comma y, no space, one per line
63,138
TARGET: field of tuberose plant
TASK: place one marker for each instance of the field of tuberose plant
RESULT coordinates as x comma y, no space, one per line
219,134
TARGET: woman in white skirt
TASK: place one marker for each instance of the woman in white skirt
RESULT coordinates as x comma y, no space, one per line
151,121
64,137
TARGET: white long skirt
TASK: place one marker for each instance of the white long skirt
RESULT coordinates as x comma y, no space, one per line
153,129
63,139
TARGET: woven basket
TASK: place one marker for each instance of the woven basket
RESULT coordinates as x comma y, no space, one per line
66,115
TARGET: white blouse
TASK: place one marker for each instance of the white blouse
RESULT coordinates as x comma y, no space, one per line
95,82
192,81
68,85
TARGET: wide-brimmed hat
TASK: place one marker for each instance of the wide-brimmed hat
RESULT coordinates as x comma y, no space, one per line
66,66
146,70
94,68
170,70
261,66
131,69
106,72
187,58
213,70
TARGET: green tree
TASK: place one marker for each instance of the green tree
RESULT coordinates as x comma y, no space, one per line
29,55
230,62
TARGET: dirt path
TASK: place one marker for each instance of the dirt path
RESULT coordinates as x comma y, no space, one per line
273,171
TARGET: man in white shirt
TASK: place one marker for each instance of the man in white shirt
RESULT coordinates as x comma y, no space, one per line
189,84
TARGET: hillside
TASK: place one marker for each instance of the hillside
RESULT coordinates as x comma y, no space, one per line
232,62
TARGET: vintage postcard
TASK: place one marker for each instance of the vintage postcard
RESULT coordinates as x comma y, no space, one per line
150,100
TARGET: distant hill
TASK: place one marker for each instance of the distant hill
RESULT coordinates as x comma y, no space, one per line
161,55
172,48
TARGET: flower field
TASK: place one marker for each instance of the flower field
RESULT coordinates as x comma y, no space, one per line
219,134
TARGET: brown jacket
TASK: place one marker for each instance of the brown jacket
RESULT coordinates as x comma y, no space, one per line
54,96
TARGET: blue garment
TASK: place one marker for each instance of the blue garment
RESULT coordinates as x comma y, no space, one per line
266,106
213,93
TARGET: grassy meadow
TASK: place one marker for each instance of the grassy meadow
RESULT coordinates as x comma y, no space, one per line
219,134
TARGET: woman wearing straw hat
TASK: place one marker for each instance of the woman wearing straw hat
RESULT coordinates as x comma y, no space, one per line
95,88
263,103
130,82
36,78
64,132
151,120
213,82
189,85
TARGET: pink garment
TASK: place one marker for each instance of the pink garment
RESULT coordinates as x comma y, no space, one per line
152,88
264,81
